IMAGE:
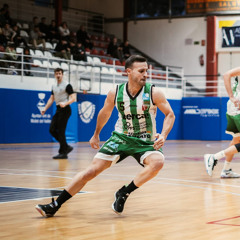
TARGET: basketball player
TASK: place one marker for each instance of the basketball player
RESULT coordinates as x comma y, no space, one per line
233,126
63,95
135,135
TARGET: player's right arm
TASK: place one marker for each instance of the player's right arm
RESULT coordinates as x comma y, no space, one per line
103,117
48,105
227,82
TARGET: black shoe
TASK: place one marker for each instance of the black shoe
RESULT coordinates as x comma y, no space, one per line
69,149
47,210
120,199
60,156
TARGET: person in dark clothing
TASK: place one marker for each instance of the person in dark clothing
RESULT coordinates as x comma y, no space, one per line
43,27
17,38
27,59
78,52
62,50
63,95
114,50
126,49
53,32
83,37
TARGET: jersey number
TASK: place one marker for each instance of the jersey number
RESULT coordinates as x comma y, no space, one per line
121,106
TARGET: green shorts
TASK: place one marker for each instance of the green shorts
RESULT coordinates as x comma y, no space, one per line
119,146
233,125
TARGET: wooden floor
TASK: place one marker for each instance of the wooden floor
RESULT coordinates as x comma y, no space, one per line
181,203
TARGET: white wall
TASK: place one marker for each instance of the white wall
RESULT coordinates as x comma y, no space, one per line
165,41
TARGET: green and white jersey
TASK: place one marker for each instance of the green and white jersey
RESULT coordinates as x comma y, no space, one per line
136,117
231,109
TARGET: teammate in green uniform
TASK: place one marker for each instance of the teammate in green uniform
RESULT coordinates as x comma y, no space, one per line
233,127
135,135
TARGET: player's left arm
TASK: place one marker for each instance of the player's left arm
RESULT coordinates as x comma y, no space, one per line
161,102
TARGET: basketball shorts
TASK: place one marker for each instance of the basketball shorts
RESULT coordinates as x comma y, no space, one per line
119,146
233,125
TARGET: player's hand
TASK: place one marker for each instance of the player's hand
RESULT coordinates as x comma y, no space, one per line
62,105
94,142
159,142
236,102
43,112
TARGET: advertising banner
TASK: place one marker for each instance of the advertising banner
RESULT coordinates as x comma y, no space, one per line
208,6
231,36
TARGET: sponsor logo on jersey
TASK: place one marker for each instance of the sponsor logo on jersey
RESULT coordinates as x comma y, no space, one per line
135,116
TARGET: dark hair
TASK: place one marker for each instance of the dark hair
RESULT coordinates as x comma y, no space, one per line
58,70
134,58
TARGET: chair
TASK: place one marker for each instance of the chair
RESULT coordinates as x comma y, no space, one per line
96,60
19,24
94,52
32,53
73,67
49,45
55,64
117,62
48,54
89,59
19,50
46,64
64,66
39,53
105,70
37,63
25,26
101,53
23,33
103,60
110,61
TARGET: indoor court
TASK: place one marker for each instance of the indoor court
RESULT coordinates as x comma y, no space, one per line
182,202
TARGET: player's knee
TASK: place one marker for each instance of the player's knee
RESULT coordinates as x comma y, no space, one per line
157,164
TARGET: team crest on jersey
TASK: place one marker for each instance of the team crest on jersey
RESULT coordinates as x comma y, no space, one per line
146,101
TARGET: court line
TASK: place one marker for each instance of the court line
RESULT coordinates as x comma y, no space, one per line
153,181
118,175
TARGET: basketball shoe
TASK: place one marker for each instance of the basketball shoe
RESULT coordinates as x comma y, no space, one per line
229,174
210,163
120,199
48,210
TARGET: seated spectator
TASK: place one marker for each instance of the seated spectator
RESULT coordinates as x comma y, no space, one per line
126,50
43,27
35,22
114,49
83,37
62,50
78,52
8,32
11,57
53,34
64,31
17,38
3,40
27,62
37,37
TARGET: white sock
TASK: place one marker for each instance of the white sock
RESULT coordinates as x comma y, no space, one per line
219,155
226,165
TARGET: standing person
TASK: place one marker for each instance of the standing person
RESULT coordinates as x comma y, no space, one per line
233,125
135,135
63,95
